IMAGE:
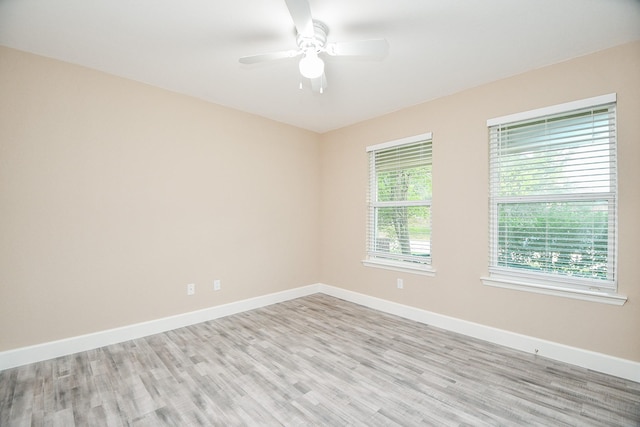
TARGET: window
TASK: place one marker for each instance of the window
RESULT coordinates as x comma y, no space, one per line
399,225
553,198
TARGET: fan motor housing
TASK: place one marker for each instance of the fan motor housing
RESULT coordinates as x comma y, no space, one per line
319,39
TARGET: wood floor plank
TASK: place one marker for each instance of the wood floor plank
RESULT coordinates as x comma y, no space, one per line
315,360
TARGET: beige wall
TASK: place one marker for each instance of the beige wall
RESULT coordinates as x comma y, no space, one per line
460,206
114,195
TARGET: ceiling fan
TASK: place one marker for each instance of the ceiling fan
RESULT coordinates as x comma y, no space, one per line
312,43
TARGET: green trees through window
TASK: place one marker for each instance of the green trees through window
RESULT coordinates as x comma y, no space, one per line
554,237
400,228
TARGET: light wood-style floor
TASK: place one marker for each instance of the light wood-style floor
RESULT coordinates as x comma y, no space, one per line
313,361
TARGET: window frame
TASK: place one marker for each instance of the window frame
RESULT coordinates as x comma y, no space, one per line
388,263
540,282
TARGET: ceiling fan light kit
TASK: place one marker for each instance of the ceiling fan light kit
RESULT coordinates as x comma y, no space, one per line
311,66
312,42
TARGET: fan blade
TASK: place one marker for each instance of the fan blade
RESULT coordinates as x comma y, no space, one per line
253,59
300,12
319,84
374,47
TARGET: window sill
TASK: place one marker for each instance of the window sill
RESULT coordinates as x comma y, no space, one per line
520,284
425,270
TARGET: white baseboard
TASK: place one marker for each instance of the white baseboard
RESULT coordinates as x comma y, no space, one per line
599,362
53,349
587,359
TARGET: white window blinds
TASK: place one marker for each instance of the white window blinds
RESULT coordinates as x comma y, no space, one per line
399,226
553,196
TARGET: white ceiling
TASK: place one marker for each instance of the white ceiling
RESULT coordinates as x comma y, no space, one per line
437,47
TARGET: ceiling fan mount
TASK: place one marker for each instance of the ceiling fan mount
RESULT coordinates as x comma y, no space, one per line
312,42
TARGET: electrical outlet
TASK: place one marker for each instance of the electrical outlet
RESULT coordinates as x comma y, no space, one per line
191,289
216,285
400,284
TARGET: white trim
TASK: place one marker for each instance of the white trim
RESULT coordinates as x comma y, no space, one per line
406,267
53,349
610,365
554,109
600,362
402,141
552,289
